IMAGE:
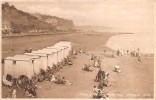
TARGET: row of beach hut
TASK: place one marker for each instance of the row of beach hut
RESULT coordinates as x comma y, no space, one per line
31,63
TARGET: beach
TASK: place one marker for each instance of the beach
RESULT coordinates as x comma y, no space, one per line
135,81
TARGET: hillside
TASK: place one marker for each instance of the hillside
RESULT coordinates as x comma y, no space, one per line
20,21
49,19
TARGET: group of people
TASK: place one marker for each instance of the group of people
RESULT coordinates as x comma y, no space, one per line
10,50
134,53
97,64
97,60
99,93
102,78
87,68
75,52
30,92
28,50
60,80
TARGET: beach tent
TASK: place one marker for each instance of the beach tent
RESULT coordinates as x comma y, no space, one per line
20,65
58,53
54,55
42,59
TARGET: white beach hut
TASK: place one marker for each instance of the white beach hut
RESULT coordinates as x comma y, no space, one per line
59,55
62,52
54,55
20,65
49,56
65,48
42,60
65,44
35,62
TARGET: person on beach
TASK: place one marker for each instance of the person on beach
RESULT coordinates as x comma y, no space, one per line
95,89
128,52
30,50
74,52
99,61
80,50
66,82
91,57
14,93
96,63
117,69
117,52
98,76
139,59
53,79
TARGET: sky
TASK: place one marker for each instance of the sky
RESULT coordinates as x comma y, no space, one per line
127,14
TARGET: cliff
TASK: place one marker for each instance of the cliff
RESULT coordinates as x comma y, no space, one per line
20,21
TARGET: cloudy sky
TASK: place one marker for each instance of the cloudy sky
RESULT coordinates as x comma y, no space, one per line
113,13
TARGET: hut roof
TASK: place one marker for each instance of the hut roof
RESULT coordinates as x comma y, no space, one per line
52,47
42,52
36,54
22,58
60,47
51,50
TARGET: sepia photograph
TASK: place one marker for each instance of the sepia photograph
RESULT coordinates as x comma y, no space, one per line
87,49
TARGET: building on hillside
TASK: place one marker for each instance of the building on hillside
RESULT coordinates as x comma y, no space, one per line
6,28
52,21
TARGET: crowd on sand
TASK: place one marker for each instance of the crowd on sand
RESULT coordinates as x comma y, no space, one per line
101,77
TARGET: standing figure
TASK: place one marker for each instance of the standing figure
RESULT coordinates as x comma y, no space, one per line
14,93
139,59
96,63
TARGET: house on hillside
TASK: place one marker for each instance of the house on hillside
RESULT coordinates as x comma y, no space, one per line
6,28
52,21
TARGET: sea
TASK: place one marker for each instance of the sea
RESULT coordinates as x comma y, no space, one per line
144,40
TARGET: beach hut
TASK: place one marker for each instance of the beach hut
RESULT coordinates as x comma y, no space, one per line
59,55
66,50
54,55
35,61
49,56
62,52
20,65
42,59
65,44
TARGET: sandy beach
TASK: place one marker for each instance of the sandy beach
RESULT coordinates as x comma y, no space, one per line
135,81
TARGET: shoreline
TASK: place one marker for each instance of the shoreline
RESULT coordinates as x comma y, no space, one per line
42,34
113,39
